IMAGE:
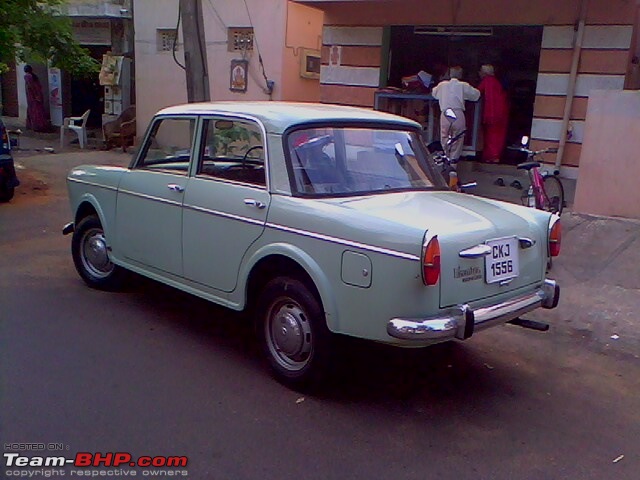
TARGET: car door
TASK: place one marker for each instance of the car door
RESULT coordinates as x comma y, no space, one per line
226,201
150,197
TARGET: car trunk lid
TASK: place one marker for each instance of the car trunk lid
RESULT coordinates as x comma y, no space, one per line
487,248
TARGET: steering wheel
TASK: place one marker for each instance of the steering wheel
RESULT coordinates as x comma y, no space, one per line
246,155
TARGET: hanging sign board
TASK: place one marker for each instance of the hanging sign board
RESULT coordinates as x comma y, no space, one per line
89,31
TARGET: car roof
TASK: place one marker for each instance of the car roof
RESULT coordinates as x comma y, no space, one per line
278,116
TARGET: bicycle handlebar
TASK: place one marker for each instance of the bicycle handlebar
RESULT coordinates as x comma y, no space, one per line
533,153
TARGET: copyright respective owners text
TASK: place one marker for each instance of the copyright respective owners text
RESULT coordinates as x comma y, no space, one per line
58,459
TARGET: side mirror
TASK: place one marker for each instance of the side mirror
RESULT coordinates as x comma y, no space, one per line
450,114
525,141
399,149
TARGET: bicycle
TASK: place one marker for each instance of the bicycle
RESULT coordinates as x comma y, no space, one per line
545,191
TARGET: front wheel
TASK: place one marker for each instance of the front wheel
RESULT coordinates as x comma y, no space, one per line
553,195
91,258
293,333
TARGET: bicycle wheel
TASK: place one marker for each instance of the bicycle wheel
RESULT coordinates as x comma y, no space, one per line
553,195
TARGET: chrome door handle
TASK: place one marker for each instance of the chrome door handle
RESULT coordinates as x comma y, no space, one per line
175,187
254,203
478,251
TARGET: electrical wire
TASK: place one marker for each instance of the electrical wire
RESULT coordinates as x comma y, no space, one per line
268,85
215,12
175,41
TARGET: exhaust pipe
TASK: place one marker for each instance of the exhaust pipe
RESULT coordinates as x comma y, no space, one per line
532,324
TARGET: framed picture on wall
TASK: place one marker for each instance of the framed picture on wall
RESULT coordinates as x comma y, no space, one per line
239,75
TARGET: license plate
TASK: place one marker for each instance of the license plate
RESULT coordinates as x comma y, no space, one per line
502,263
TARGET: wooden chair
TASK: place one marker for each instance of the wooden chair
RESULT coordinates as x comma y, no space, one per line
122,130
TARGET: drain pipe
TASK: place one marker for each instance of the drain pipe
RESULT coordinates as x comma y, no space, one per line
577,49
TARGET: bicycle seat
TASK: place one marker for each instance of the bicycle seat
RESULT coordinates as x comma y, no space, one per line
528,165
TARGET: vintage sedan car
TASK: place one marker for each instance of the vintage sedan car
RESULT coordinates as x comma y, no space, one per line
317,219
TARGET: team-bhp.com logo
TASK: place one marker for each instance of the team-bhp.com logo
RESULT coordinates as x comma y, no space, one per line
86,459
118,464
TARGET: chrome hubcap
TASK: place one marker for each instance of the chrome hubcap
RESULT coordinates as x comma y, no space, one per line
289,335
94,253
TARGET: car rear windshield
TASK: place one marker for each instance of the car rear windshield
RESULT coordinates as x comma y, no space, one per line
339,161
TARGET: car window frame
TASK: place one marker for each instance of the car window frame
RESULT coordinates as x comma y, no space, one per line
144,148
204,118
377,125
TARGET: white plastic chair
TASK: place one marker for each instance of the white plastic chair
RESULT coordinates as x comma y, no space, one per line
77,125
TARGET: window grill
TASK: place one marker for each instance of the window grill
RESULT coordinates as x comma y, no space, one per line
165,39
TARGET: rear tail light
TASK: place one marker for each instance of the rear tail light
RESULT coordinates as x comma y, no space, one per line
555,239
431,262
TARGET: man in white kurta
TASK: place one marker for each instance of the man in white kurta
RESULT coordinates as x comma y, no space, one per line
452,94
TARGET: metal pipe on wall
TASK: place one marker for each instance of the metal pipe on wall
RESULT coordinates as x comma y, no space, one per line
575,62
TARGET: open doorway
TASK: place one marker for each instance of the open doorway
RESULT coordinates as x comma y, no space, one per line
514,51
87,93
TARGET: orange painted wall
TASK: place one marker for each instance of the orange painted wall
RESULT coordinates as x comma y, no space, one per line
303,30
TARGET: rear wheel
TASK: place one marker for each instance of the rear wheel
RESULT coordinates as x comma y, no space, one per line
554,195
91,257
293,333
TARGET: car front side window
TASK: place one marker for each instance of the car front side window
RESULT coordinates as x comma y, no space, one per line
168,146
232,150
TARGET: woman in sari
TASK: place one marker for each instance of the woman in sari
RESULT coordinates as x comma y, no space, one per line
495,115
36,115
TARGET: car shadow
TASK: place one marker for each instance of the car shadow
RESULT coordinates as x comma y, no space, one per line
452,373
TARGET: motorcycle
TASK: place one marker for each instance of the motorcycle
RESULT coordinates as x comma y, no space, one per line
8,178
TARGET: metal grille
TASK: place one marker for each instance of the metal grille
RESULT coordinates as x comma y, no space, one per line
165,38
240,39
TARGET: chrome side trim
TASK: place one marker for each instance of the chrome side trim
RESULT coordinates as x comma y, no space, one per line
151,197
211,178
348,243
218,213
84,182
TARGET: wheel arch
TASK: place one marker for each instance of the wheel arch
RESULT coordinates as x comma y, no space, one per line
286,260
88,205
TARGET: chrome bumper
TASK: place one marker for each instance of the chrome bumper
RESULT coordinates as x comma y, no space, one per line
462,321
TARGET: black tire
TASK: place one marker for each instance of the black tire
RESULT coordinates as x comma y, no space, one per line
6,193
293,332
90,256
554,194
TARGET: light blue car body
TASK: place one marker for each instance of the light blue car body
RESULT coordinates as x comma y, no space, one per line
363,253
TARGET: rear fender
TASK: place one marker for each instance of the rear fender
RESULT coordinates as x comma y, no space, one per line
310,266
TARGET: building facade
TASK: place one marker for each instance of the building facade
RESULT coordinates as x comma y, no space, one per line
100,26
256,50
369,45
551,56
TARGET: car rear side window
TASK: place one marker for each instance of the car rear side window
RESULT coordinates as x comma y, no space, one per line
233,150
168,147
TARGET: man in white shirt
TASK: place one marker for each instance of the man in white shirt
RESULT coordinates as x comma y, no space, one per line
452,94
